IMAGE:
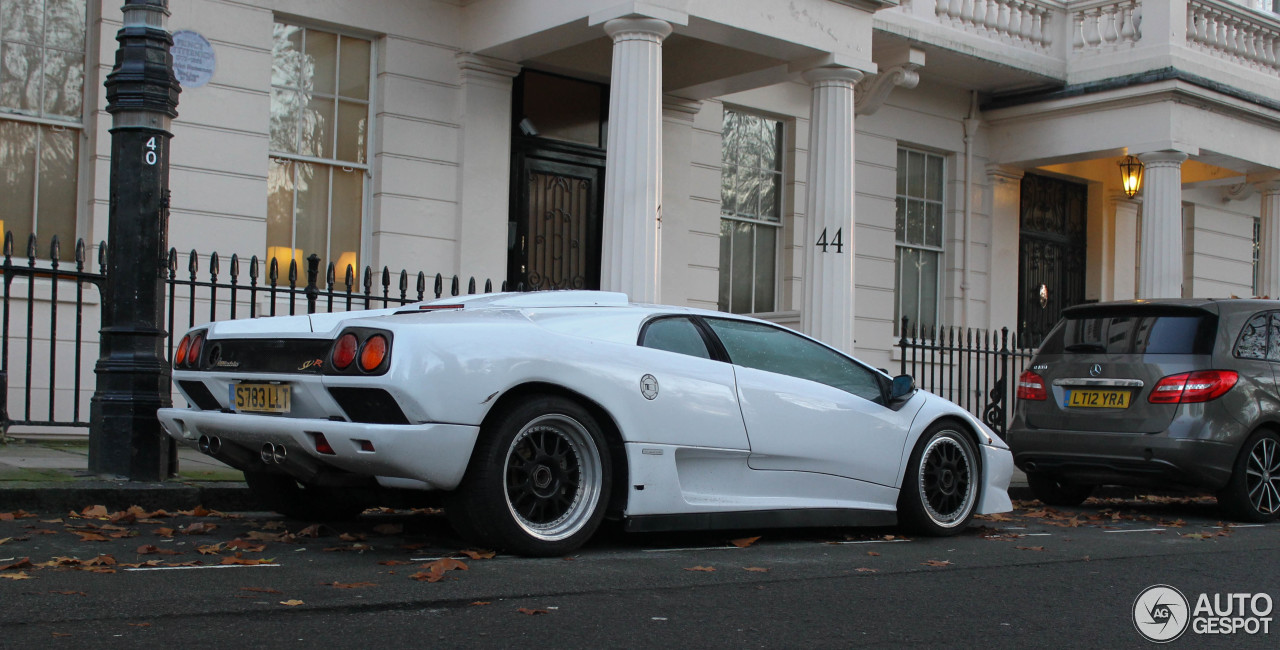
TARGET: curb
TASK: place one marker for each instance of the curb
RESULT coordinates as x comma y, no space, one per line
120,495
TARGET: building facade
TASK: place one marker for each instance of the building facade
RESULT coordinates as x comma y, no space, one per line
839,166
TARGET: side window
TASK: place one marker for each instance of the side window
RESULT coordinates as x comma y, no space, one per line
1273,345
1252,343
678,335
774,349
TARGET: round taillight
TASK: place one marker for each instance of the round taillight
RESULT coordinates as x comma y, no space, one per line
180,355
193,351
344,351
373,353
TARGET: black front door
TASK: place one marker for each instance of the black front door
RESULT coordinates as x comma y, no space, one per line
556,222
1051,256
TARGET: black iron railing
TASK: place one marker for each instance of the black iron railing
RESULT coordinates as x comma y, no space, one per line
50,311
977,369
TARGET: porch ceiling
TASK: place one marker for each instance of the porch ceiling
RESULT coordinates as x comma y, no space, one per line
949,67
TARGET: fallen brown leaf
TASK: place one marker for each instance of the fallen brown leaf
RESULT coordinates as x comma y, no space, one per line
152,549
700,568
314,530
199,528
69,593
350,537
91,537
532,612
24,563
102,560
756,569
394,562
478,555
435,570
241,560
866,570
873,554
480,603
1029,548
745,541
349,585
211,549
357,548
937,563
20,575
291,603
164,532
95,512
242,545
5,540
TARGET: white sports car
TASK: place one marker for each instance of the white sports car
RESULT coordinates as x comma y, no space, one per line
539,414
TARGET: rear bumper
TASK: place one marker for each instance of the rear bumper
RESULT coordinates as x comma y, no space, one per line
435,454
1143,460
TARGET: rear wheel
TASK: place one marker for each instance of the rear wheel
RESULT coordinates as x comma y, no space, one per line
940,491
538,483
283,494
1054,491
1253,494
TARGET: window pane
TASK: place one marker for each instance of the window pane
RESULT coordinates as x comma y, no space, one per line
915,174
280,210
748,191
563,109
933,178
17,180
320,67
65,24
63,80
933,224
900,219
316,138
726,262
728,192
348,206
353,79
731,136
772,349
311,232
743,248
915,221
766,243
353,120
909,286
771,139
675,335
58,181
21,20
285,109
19,77
286,56
770,197
929,288
902,172
1273,344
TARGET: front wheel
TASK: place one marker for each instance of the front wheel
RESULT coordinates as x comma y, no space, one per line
539,480
940,490
1253,494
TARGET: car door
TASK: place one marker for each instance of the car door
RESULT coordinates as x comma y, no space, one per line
809,408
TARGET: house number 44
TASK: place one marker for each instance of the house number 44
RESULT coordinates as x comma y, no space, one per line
837,241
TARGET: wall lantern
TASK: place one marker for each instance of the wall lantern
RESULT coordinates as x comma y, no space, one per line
1131,175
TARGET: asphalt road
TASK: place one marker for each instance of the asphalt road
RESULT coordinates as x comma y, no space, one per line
1036,577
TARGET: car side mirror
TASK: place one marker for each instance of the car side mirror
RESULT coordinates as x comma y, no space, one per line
902,386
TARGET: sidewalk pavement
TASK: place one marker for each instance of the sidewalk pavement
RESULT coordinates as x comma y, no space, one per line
54,476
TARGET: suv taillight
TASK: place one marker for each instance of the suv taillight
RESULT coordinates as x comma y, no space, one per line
1031,387
1192,387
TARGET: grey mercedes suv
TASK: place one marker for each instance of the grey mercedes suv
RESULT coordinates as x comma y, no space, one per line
1160,393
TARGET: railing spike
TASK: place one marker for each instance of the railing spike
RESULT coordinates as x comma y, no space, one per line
350,276
235,267
329,275
214,266
422,285
31,248
273,273
488,285
55,250
102,257
471,286
193,263
293,272
253,270
404,283
439,285
454,286
8,244
80,253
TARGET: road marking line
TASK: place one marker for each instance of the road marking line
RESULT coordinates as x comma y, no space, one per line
692,548
872,541
1136,530
1037,535
1242,526
211,566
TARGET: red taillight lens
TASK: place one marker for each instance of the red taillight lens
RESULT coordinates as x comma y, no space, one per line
344,352
193,351
322,445
1193,387
1031,387
373,353
180,355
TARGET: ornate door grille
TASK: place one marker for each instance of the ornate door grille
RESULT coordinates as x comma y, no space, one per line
1051,253
558,243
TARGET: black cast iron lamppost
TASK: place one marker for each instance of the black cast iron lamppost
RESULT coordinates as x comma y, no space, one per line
125,438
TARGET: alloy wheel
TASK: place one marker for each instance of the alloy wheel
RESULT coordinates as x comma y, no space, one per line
946,480
552,477
1262,477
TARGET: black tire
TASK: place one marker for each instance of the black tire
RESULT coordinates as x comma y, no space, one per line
283,494
539,480
1054,491
940,489
1253,493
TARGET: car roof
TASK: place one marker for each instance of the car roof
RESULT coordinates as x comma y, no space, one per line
1211,305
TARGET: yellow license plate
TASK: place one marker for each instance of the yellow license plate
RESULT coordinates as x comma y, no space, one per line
260,398
1107,399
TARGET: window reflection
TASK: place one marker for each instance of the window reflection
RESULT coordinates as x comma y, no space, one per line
751,211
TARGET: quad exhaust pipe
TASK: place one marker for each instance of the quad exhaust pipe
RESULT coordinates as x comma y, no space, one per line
273,454
210,445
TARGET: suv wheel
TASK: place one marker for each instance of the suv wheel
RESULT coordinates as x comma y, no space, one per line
1253,494
1054,491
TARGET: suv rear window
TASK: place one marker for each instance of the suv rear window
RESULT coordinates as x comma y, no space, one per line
1129,333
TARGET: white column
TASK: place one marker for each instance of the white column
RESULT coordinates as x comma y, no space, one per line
1269,238
1160,265
686,280
828,270
1006,226
633,169
1124,238
485,166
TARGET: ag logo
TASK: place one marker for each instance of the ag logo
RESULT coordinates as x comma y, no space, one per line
649,387
1161,613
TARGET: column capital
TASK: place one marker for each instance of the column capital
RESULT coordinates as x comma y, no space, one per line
620,29
477,66
1267,183
833,75
1005,173
1167,158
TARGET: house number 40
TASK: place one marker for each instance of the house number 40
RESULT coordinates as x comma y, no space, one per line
150,156
837,241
